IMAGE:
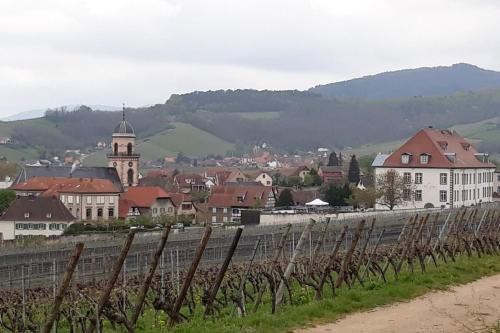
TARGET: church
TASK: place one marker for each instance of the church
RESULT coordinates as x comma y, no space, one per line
123,156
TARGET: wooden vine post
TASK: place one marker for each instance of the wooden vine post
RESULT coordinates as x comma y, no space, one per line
147,283
291,264
73,262
111,281
174,315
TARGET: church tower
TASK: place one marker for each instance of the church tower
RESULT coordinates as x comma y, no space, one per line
123,156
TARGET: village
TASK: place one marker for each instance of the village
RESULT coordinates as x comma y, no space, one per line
433,169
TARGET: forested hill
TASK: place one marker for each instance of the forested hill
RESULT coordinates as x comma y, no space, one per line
289,121
425,81
292,120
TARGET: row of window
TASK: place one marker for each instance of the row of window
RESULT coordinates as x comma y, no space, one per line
29,236
100,213
224,219
235,211
28,214
41,226
424,158
162,210
470,178
443,195
472,194
419,177
99,199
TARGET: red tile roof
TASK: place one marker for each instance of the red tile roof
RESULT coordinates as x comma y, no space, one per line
144,196
227,196
179,198
437,143
140,196
188,179
54,185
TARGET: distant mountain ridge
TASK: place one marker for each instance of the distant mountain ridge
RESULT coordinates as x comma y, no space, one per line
290,121
424,81
32,114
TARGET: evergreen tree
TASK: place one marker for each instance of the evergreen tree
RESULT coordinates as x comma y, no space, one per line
315,178
333,160
346,193
353,174
337,196
285,199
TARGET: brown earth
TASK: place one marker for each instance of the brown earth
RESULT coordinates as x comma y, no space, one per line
473,307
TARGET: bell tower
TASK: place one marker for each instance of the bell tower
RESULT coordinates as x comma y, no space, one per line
123,156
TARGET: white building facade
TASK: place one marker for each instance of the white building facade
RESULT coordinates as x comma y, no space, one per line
439,169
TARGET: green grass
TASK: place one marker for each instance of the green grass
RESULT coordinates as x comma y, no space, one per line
16,155
373,149
97,158
183,138
329,309
258,115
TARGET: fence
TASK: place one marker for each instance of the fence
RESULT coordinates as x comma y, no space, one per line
39,266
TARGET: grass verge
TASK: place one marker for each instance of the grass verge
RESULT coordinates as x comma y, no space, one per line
306,311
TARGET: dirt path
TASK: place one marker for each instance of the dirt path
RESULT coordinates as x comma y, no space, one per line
469,308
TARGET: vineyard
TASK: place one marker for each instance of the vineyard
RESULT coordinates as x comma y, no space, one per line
246,272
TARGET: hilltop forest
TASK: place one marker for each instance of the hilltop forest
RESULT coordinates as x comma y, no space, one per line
289,121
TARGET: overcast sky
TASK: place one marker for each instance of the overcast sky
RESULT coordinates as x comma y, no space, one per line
57,52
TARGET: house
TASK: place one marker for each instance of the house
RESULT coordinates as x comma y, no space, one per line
86,198
146,201
184,204
30,216
259,176
300,171
189,182
226,202
332,175
439,169
230,176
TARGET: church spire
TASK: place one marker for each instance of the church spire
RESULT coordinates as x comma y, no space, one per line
123,112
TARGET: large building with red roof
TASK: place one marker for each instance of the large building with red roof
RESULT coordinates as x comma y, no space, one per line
439,169
87,199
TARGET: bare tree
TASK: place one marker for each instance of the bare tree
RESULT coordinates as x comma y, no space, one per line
391,189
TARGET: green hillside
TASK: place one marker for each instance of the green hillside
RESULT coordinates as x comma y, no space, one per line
183,138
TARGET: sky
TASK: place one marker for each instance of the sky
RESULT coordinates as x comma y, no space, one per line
139,52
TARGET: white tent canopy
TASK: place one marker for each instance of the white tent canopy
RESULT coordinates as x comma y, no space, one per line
317,202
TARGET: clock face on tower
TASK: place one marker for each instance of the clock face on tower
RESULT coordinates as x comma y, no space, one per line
115,164
130,164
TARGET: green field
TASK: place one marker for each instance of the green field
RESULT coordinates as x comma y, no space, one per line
183,138
17,154
258,115
373,149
